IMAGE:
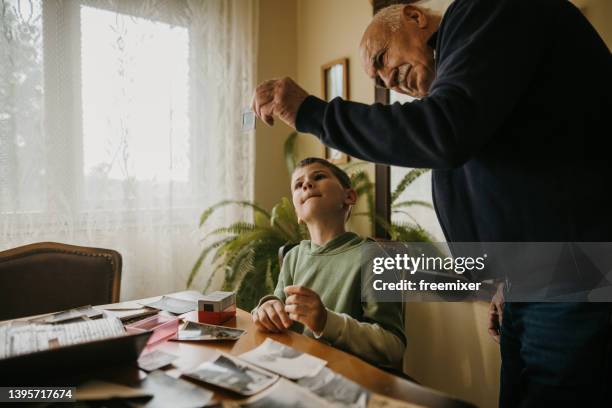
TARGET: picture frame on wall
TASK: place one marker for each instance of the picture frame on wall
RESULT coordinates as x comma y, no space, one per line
334,83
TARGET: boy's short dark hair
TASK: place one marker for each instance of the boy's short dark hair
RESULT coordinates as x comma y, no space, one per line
340,174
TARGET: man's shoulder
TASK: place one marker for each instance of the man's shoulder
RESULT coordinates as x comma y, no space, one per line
488,8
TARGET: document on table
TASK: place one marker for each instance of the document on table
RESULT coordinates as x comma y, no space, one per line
21,338
284,360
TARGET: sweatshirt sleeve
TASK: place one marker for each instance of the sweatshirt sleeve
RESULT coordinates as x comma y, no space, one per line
369,339
285,278
484,65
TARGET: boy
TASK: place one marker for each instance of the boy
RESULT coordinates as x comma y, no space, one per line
320,281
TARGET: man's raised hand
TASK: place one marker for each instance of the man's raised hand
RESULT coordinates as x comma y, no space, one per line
278,97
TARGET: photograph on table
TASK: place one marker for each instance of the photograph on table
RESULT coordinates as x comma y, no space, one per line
284,394
232,374
336,389
192,331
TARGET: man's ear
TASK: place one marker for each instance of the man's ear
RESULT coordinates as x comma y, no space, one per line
350,197
415,16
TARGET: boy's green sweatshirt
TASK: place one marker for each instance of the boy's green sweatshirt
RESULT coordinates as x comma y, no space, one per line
371,330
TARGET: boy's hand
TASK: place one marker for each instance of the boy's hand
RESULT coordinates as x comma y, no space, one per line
271,316
304,305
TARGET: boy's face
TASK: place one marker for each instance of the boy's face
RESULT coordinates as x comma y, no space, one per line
318,194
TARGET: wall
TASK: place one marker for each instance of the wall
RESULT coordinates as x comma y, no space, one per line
328,30
599,13
277,58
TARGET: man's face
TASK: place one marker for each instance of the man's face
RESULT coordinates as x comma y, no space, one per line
318,194
401,60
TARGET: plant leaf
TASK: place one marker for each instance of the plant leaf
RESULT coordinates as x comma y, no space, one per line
289,150
406,181
202,257
284,219
208,212
411,203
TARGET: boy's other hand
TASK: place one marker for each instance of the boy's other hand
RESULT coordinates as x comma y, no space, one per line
304,305
271,316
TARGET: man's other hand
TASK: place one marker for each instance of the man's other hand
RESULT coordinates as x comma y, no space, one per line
271,316
496,313
278,97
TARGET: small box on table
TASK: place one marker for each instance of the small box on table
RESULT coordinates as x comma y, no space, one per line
217,307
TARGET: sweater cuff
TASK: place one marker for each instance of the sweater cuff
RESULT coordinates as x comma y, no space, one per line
310,114
263,300
333,327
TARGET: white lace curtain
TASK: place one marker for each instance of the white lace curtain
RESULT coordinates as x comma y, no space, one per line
120,123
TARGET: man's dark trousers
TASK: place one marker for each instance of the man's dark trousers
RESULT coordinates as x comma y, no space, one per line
556,355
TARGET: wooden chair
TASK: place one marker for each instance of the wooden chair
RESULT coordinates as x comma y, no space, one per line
47,277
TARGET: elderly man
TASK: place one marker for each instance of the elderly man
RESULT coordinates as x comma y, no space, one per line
514,120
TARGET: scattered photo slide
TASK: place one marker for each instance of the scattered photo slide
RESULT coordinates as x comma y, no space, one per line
248,120
336,389
285,394
192,331
232,374
174,305
284,360
155,359
80,313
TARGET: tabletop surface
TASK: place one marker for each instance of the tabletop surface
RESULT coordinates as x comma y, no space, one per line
192,354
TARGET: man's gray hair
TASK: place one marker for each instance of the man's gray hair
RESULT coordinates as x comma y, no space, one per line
391,15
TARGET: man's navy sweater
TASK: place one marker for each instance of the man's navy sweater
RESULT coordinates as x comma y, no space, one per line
516,125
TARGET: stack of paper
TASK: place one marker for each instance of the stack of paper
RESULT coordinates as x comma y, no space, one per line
19,338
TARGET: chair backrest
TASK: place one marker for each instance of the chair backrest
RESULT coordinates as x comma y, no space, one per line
47,277
282,251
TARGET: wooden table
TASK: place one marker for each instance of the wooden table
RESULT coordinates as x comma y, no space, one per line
192,354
